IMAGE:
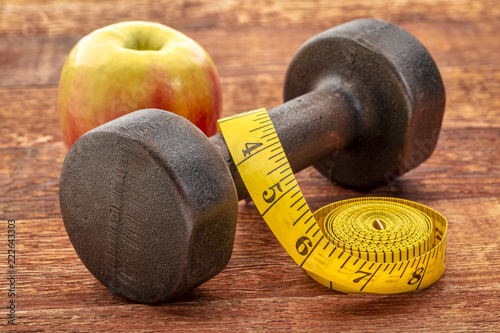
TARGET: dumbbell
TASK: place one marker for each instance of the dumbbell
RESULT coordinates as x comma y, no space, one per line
150,204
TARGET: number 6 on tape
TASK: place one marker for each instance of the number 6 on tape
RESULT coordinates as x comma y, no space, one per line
363,245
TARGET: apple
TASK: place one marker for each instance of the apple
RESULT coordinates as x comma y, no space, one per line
135,65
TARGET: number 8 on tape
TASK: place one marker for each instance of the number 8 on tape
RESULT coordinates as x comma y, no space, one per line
363,245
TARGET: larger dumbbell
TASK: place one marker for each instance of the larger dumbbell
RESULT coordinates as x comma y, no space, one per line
150,204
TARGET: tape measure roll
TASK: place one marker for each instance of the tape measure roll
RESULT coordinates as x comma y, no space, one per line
363,245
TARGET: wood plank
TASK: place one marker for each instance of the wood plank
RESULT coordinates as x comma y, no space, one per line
470,103
29,17
263,288
38,59
29,179
29,117
34,61
465,165
471,96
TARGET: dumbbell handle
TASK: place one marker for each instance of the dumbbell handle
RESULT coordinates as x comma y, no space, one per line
310,127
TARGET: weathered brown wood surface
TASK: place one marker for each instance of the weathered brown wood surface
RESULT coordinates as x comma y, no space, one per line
261,289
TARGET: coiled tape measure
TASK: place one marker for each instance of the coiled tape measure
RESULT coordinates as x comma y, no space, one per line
363,245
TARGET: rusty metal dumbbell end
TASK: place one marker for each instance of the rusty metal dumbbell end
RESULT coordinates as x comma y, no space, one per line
150,203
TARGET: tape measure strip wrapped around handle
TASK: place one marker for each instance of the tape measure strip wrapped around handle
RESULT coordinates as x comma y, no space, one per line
364,245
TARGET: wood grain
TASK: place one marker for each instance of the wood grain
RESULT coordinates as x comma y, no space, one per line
261,289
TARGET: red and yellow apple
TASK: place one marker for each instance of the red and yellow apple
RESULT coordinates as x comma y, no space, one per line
129,66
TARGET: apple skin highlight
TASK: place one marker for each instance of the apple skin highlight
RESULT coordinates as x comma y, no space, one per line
103,78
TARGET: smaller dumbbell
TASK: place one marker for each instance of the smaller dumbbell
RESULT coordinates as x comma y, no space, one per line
150,204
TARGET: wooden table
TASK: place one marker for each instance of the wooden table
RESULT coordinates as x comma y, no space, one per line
261,289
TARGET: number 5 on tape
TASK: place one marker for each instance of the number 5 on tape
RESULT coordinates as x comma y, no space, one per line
363,245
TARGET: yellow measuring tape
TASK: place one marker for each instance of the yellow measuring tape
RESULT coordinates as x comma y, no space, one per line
364,245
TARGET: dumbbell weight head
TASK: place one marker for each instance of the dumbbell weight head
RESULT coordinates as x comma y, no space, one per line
396,91
149,205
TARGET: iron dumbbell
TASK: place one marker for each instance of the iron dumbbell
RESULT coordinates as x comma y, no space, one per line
150,203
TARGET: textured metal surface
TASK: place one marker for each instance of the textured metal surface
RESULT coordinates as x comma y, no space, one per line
149,205
149,202
396,91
